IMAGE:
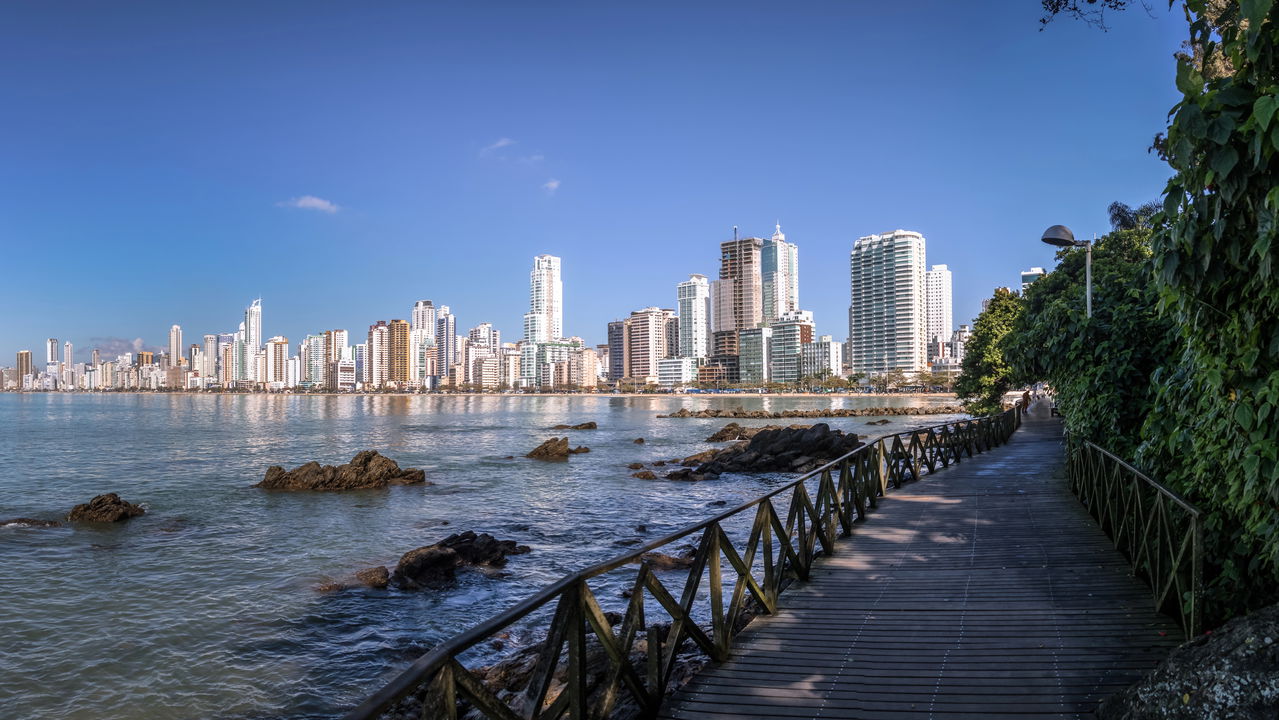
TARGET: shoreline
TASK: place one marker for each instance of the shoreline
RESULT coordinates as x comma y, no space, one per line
513,395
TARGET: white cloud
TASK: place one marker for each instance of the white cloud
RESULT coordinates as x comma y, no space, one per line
311,202
498,145
551,185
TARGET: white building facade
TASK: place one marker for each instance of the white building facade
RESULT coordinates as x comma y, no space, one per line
886,313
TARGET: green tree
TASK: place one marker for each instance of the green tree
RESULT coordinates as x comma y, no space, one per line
1101,367
986,375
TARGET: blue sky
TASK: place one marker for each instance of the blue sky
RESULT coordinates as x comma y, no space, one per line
152,155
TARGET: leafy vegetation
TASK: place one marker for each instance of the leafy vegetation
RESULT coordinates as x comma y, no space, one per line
986,374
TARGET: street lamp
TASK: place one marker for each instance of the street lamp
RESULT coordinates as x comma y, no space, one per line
1061,236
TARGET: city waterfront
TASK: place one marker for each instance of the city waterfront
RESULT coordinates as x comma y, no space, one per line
208,606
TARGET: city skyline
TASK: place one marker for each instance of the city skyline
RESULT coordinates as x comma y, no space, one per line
276,175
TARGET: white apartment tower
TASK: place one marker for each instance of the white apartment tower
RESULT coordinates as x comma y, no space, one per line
544,321
886,312
779,272
938,323
423,318
175,345
694,295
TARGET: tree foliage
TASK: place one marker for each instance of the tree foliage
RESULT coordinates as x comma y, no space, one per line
1213,430
1100,368
986,375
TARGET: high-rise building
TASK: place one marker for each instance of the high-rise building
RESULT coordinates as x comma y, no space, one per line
822,358
786,348
485,336
145,357
424,318
51,351
694,298
618,349
445,338
737,297
646,331
25,372
938,320
210,354
252,339
886,303
754,356
779,273
398,352
377,355
175,345
277,360
544,321
1030,276
314,358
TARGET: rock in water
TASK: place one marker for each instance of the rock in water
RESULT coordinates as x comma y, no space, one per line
374,577
1232,673
644,475
583,426
435,564
368,470
554,449
105,508
639,441
792,449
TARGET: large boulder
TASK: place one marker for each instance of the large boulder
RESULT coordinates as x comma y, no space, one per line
105,508
436,564
374,577
368,470
1232,673
797,449
554,449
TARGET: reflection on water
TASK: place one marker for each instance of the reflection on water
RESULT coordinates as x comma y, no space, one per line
207,607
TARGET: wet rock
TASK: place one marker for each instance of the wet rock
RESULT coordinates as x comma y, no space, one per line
584,426
641,528
699,458
685,474
885,421
715,503
627,542
368,470
659,463
635,466
374,577
644,475
437,564
554,449
661,561
31,522
797,448
579,450
105,508
638,441
731,431
1232,673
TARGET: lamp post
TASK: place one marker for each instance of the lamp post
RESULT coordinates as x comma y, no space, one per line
1061,236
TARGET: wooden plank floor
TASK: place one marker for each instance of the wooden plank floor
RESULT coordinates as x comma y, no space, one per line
984,591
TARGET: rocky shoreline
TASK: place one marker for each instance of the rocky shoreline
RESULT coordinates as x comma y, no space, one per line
743,413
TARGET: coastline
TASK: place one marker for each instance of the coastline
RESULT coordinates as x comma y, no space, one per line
514,395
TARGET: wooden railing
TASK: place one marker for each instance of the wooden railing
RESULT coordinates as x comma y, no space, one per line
1159,532
781,546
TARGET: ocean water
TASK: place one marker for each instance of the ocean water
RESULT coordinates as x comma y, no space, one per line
209,605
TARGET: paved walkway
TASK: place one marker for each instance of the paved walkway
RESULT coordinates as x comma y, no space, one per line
983,591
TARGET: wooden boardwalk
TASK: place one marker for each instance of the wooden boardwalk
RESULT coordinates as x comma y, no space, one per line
983,591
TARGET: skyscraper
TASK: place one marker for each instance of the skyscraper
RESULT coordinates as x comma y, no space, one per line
210,368
377,355
252,340
315,363
886,303
1030,276
791,331
483,335
398,352
423,318
544,321
24,367
646,335
779,272
694,297
175,346
937,305
445,339
51,351
618,346
737,297
277,360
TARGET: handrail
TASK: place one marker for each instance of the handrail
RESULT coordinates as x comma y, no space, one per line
1159,532
811,525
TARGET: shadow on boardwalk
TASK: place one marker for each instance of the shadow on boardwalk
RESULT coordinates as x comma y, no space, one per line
983,591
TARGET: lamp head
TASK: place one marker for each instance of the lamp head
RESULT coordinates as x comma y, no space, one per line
1059,235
